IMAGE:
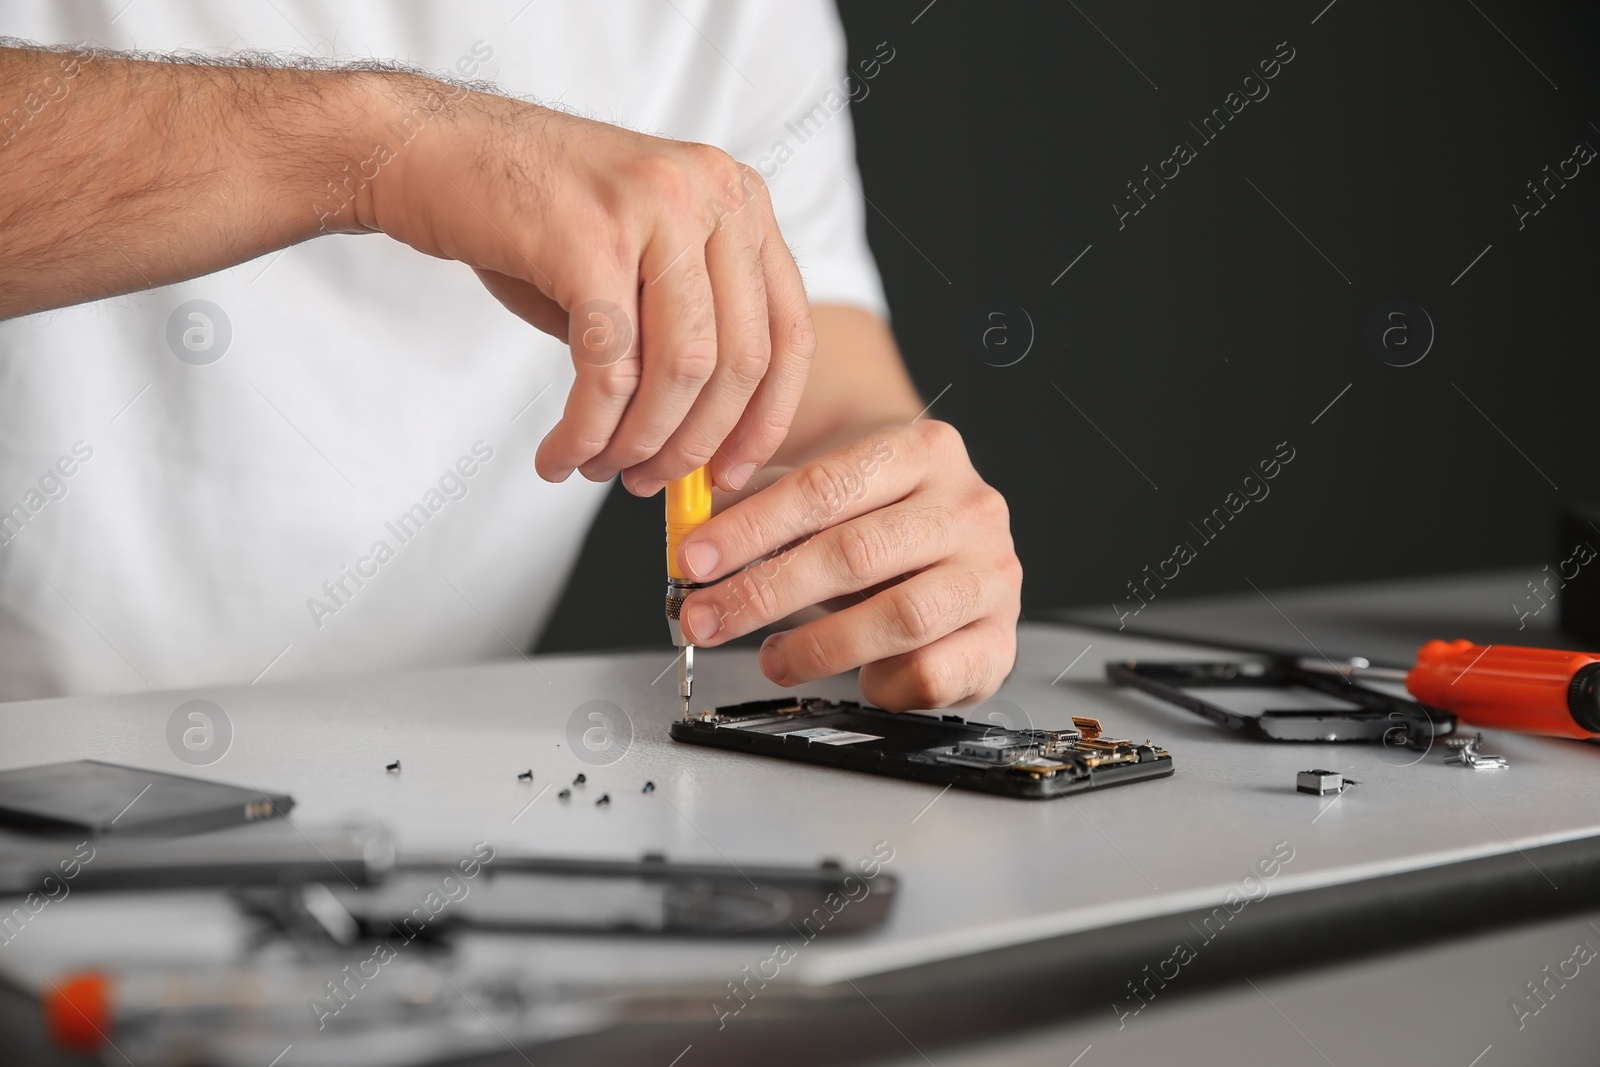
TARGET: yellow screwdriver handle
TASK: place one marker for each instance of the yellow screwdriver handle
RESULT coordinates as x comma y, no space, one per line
688,505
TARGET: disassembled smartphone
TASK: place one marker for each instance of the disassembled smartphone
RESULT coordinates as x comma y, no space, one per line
943,749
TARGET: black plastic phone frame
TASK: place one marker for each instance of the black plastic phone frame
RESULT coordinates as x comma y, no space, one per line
1378,717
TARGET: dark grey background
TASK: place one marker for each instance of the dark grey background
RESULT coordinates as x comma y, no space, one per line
1210,329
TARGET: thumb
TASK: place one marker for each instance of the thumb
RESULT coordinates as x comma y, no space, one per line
722,500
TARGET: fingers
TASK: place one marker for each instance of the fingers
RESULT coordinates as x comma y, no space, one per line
605,353
901,529
724,340
743,351
874,472
916,612
848,558
963,668
793,342
678,334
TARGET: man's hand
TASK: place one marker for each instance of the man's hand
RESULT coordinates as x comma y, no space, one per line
659,261
898,525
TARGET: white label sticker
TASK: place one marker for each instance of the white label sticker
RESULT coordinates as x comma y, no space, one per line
827,735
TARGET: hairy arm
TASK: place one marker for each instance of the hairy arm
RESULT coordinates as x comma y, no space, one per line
124,174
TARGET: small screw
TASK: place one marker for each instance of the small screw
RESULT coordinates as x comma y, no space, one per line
605,798
580,779
525,776
395,766
565,794
649,787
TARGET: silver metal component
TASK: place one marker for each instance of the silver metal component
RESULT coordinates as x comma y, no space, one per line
1321,783
677,589
1468,754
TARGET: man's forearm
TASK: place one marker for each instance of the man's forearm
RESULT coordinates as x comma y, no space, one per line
123,174
858,384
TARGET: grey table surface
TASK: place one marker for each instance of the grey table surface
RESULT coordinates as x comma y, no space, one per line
978,872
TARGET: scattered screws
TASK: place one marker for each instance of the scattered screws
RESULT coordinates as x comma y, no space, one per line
394,767
649,787
565,794
1468,755
605,798
525,776
580,779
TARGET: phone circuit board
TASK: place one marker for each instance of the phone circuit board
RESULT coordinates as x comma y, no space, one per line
944,749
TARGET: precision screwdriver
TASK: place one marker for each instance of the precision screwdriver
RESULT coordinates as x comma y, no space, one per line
688,506
1531,690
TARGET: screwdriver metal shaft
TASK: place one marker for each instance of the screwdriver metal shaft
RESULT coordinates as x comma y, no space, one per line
686,677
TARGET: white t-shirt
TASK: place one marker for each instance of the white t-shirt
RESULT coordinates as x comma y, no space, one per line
350,486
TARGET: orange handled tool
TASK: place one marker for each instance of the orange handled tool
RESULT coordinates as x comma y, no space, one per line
688,505
1532,690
